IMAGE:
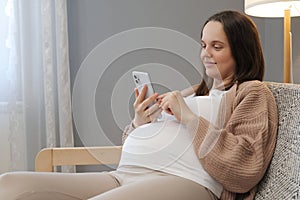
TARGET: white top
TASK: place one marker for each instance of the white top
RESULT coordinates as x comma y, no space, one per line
166,145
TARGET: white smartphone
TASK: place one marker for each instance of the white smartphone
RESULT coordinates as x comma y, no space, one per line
140,79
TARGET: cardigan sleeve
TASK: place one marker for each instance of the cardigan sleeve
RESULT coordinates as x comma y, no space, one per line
238,154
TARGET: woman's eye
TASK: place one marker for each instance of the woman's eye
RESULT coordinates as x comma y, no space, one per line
218,47
203,46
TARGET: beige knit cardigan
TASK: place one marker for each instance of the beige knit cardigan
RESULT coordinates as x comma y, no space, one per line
237,150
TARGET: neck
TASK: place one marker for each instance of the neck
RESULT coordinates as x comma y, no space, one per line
221,84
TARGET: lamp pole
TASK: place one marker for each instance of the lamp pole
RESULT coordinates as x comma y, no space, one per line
287,47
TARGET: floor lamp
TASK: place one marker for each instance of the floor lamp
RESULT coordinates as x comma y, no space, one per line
275,8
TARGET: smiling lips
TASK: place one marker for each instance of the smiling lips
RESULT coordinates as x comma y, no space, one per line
209,63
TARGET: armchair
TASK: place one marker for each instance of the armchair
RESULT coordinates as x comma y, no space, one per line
281,181
48,158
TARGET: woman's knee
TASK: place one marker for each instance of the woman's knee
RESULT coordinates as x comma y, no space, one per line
9,185
15,181
7,179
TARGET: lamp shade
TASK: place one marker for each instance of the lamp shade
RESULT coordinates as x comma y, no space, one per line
271,8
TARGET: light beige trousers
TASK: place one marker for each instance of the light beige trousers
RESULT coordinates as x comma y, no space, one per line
113,185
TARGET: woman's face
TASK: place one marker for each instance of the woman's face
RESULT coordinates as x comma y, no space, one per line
216,53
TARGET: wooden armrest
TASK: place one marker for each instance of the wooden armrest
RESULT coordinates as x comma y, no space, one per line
47,158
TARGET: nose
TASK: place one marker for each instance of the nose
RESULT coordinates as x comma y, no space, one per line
205,52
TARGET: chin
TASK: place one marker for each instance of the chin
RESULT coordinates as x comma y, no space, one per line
213,74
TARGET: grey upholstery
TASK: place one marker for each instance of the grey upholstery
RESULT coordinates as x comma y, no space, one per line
282,180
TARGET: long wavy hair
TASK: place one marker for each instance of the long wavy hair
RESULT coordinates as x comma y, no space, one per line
245,47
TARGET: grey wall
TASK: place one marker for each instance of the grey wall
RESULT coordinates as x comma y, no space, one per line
93,21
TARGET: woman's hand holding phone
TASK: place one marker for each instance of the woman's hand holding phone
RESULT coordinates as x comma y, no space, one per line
145,110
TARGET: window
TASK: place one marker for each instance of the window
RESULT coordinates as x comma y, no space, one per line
10,72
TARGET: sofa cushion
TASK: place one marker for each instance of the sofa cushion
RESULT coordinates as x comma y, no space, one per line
282,179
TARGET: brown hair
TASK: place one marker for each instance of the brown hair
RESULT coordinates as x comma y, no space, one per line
245,47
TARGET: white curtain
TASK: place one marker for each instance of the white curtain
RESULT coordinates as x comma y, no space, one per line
35,88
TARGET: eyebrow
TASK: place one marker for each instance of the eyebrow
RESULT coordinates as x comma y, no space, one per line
215,41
